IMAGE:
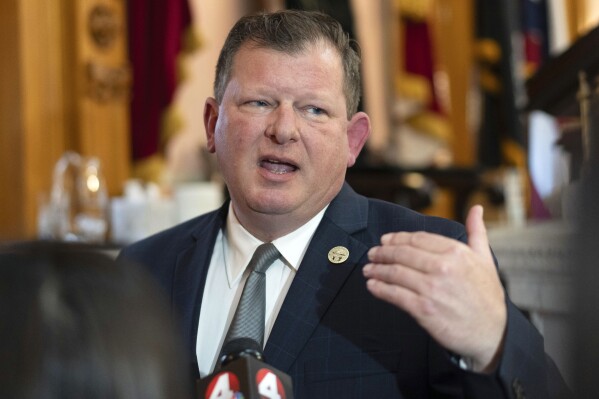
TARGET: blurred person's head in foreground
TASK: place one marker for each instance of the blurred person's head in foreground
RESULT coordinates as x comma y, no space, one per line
77,324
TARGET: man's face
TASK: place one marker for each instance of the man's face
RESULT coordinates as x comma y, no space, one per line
282,137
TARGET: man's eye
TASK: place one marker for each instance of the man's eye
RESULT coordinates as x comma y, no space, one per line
316,111
259,103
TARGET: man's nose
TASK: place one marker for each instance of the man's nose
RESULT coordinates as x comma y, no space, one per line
284,125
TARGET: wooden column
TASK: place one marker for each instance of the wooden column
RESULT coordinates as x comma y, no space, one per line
454,30
101,95
48,104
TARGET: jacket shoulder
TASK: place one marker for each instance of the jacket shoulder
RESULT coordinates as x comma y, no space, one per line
399,218
169,242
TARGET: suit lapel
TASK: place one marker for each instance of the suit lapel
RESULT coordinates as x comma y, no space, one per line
318,280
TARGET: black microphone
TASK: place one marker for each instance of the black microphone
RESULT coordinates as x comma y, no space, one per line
243,373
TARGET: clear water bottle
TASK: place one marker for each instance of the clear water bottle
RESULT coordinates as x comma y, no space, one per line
91,220
78,204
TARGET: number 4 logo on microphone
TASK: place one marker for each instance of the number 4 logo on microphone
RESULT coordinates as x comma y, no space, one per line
269,385
224,385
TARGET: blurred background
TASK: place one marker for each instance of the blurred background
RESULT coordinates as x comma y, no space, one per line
461,110
102,137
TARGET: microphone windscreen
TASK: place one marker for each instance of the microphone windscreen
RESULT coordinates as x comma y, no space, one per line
237,348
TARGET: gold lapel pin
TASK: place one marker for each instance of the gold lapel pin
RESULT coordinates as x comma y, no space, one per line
338,254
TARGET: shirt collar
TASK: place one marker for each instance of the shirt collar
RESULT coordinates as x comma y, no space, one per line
239,245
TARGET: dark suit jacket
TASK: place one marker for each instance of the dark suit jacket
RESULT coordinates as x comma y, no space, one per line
332,336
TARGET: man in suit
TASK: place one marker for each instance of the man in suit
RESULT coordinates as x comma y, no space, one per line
368,299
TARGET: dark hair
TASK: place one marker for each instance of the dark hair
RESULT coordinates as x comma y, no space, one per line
291,31
77,324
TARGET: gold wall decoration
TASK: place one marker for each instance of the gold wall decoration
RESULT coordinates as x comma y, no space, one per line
106,83
104,26
57,54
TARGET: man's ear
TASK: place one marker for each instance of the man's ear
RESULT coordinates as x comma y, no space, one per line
357,133
210,118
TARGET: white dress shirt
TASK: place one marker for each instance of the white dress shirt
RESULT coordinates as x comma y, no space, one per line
226,277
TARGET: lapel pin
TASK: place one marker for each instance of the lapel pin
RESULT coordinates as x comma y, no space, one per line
338,255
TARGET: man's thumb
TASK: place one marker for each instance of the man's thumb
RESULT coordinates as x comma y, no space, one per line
477,232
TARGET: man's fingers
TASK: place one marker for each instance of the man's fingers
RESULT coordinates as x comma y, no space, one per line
419,306
477,232
405,255
398,275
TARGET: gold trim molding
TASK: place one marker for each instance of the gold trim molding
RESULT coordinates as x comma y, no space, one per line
108,84
104,26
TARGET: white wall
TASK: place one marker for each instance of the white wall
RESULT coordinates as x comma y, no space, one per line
373,38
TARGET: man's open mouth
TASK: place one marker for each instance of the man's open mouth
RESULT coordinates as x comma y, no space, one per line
277,167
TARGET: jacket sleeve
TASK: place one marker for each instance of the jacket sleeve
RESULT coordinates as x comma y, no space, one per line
524,371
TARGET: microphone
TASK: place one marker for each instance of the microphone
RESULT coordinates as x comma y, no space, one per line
243,373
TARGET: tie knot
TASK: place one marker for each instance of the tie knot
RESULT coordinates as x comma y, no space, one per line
264,256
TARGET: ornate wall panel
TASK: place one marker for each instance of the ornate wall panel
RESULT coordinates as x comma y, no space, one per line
64,86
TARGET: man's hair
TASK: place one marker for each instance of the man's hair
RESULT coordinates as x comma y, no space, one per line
291,32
